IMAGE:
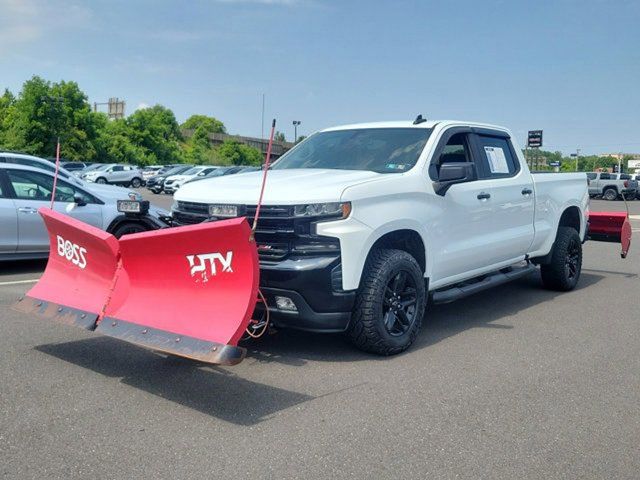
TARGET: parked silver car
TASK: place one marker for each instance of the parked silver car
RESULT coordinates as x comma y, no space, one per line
23,190
37,162
116,174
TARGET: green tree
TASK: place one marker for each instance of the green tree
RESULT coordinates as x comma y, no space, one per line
7,101
155,135
279,137
232,152
208,124
42,112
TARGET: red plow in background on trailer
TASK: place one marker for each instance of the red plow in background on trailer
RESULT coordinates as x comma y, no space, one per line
611,227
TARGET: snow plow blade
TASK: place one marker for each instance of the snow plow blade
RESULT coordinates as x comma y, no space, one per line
187,291
611,227
75,286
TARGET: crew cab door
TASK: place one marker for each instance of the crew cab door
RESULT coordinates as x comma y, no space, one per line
32,190
512,193
484,221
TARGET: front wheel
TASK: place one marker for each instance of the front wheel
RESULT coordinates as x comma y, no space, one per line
101,180
389,304
563,271
136,182
127,228
610,194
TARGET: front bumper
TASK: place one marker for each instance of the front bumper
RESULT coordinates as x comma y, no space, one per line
314,285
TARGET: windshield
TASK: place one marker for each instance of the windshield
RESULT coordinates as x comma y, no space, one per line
175,170
192,171
382,150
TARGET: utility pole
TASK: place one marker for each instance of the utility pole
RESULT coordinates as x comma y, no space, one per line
619,162
577,157
295,130
262,131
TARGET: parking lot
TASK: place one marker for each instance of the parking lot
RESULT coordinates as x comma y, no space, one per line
516,382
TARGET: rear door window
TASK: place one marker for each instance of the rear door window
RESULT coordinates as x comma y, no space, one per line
605,176
496,154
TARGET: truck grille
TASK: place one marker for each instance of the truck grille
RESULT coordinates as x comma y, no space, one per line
278,234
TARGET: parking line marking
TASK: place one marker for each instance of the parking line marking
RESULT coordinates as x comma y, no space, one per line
634,217
18,282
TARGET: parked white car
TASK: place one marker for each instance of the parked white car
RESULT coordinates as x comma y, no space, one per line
174,182
361,224
23,190
150,171
116,174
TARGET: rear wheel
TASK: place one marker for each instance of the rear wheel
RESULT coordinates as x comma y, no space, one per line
563,272
136,182
389,304
610,194
127,228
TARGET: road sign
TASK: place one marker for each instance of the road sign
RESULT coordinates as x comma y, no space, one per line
554,164
534,139
633,163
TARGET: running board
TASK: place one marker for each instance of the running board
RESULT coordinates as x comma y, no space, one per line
450,294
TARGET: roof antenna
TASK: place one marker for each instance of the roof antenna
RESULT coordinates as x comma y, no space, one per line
419,119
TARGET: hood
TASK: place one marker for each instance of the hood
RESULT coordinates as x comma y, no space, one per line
284,187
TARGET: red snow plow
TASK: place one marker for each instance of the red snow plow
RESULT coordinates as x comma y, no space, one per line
188,291
611,227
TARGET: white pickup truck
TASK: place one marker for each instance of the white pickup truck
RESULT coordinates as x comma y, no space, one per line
362,224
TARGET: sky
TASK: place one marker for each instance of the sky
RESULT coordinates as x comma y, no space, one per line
571,68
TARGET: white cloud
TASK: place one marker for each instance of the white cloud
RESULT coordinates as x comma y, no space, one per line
141,106
25,21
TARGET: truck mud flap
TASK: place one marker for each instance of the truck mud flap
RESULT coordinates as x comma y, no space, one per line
611,227
188,291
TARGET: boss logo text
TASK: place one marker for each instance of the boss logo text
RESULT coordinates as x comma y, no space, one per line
72,252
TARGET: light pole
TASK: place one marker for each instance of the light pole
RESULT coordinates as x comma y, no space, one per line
295,130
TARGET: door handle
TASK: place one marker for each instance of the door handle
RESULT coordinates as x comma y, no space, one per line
483,196
27,210
527,191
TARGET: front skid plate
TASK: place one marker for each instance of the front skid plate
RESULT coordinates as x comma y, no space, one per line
54,311
167,342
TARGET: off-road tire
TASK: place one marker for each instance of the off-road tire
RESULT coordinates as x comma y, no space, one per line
557,274
135,183
367,329
610,194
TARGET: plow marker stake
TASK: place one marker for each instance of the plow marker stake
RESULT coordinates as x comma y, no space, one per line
188,291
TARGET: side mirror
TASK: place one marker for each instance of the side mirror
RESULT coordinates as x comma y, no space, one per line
78,200
452,173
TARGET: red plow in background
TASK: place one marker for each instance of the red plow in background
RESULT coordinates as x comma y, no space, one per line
188,291
611,227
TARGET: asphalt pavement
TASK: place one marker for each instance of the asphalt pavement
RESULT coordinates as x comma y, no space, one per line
515,382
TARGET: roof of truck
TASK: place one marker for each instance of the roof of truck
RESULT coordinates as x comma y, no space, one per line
410,124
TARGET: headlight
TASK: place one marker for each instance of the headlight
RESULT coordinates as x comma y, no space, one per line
225,211
334,209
